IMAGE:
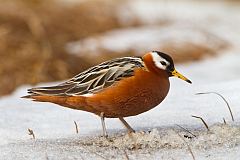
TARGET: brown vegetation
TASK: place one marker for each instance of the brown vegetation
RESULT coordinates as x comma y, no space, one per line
33,36
34,33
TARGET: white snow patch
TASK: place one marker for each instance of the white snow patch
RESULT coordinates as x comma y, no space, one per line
143,39
211,24
56,137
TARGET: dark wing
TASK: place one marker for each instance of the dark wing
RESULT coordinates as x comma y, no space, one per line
94,79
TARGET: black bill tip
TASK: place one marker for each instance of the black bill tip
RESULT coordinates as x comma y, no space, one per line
189,81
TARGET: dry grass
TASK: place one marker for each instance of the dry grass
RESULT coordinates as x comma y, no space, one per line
191,52
126,155
33,36
224,99
76,127
188,146
203,121
31,133
193,135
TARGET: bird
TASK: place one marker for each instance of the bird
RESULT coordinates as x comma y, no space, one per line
117,88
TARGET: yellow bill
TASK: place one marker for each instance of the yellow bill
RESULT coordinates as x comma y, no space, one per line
177,74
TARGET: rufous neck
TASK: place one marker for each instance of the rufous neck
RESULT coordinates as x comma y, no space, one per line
149,63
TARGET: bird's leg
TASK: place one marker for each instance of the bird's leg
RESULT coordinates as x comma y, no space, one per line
103,124
129,128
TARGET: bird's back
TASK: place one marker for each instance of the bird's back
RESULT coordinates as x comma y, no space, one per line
93,80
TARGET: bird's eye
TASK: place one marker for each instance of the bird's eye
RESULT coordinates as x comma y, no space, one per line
163,63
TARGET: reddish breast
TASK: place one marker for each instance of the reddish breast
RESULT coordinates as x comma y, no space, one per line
131,96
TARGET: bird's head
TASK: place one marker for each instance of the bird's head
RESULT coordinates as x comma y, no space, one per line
158,62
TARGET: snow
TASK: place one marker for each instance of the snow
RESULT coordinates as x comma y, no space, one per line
157,130
183,11
158,135
210,24
144,38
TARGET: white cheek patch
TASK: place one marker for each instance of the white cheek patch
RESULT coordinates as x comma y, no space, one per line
157,59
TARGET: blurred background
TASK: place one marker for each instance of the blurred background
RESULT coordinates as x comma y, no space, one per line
52,40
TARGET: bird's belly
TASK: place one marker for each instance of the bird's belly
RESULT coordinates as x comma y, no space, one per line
134,104
131,96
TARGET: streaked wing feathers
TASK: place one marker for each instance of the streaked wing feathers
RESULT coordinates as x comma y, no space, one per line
94,79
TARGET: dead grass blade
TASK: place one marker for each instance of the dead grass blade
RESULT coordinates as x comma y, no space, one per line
186,130
205,124
46,156
81,157
224,121
31,133
229,108
97,154
76,126
126,155
188,146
